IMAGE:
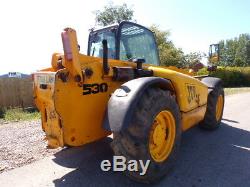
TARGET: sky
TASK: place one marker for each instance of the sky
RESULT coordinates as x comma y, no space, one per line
30,29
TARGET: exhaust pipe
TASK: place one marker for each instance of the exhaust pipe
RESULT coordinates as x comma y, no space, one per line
105,57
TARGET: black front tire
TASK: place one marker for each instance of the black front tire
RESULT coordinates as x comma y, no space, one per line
133,142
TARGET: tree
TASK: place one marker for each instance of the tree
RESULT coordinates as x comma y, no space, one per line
193,58
112,14
169,54
248,52
235,52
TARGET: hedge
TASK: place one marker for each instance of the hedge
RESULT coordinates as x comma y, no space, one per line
231,76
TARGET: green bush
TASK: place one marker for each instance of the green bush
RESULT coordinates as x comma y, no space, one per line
231,76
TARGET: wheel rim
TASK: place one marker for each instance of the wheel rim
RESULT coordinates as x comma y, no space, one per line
162,136
219,106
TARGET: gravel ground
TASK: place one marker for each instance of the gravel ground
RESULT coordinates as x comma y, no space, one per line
22,143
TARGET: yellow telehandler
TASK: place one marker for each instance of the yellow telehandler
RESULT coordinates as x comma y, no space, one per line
119,87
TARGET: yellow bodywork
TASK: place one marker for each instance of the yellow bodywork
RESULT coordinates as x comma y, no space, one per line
71,118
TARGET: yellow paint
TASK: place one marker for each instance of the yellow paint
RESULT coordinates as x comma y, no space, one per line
44,99
84,113
190,92
189,119
184,71
162,136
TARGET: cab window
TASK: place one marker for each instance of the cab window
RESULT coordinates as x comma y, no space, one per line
137,42
96,48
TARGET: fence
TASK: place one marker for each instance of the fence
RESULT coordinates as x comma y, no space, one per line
16,92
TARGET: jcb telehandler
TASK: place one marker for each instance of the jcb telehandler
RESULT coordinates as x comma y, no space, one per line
119,88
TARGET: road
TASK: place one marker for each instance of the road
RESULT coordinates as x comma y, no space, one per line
218,158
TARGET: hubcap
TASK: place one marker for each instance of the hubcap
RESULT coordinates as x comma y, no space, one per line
162,136
219,106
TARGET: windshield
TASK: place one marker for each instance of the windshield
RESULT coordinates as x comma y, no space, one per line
96,48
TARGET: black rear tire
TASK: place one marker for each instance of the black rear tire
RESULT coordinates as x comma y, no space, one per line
210,122
133,142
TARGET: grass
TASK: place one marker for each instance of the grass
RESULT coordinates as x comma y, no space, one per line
230,91
18,114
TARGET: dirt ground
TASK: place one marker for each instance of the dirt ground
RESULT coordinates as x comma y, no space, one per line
22,143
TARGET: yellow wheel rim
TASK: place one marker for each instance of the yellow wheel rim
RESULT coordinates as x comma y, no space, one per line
219,107
162,136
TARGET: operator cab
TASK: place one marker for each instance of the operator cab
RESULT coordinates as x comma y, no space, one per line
126,41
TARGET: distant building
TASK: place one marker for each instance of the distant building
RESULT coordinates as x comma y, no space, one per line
15,74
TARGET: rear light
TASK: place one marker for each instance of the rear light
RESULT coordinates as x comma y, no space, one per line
66,44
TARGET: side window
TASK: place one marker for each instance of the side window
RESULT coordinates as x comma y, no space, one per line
138,42
96,48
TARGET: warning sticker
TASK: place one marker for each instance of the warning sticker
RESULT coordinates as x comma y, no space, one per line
44,78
